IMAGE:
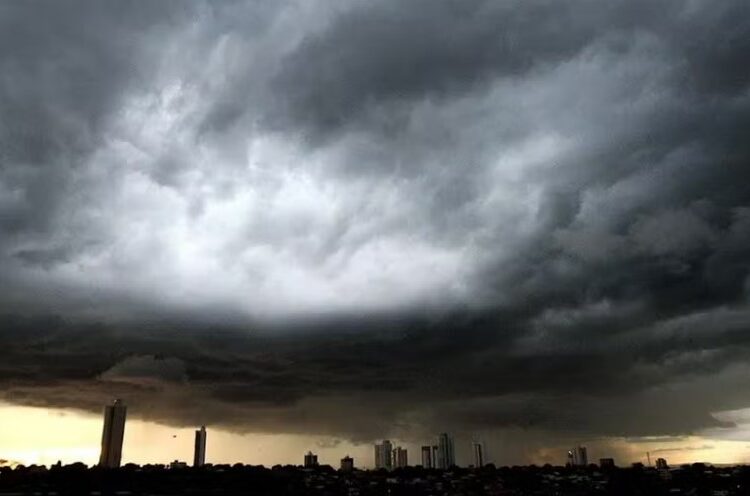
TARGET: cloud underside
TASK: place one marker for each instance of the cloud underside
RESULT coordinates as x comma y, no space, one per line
360,219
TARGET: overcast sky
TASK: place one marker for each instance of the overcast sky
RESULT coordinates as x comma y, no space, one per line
526,221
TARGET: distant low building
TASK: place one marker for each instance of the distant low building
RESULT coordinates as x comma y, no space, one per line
446,455
478,450
400,458
178,464
661,464
580,457
311,460
383,455
606,462
427,456
347,464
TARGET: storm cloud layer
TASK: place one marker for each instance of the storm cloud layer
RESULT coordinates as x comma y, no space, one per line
374,218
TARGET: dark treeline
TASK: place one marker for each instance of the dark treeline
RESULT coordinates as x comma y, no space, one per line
696,479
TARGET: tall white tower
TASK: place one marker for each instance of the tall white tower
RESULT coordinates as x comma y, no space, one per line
383,455
427,456
113,434
199,456
446,457
478,450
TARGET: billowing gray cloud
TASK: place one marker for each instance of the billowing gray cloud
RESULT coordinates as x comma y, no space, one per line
369,219
686,448
146,369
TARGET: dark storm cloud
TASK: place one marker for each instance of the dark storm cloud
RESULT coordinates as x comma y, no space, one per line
350,384
391,53
395,53
66,69
686,448
393,218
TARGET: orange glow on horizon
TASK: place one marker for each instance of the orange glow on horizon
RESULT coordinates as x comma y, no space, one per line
44,436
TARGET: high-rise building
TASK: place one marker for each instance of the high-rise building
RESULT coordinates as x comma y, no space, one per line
446,457
478,450
199,456
580,458
112,434
400,458
427,456
661,464
434,456
383,455
311,460
571,459
347,464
